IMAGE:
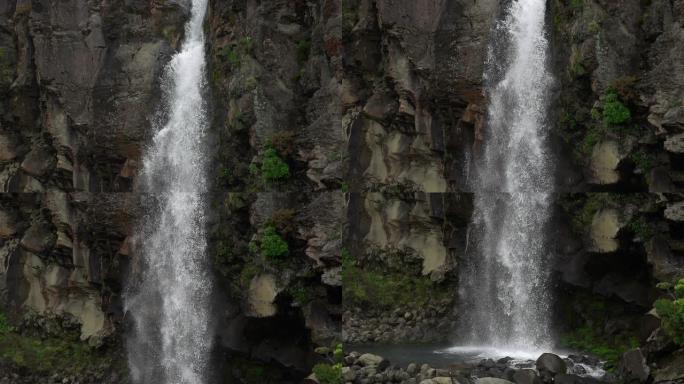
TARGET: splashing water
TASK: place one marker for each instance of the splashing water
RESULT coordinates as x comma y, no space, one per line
504,284
169,300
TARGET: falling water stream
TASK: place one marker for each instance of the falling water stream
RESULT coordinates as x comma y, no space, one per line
169,299
504,292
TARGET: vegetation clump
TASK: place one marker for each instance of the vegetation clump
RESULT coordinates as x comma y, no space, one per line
273,246
614,112
328,373
671,312
273,168
365,287
59,353
606,347
583,312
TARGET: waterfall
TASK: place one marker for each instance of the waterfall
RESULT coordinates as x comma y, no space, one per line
169,299
504,293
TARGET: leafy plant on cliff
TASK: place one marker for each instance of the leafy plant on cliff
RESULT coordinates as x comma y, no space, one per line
614,112
328,374
671,312
644,160
230,55
273,168
272,246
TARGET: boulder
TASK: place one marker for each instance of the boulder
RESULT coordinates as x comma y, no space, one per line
633,367
491,380
525,376
675,143
563,378
371,360
442,380
549,365
672,368
675,211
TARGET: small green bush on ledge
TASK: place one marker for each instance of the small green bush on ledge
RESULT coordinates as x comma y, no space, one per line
273,168
614,112
671,313
273,246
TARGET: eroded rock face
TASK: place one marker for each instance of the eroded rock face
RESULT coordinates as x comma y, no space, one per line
396,223
97,70
605,226
261,297
605,159
53,269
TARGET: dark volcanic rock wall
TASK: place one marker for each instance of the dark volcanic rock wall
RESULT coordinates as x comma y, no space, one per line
413,101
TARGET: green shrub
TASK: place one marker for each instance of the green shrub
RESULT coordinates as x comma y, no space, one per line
230,55
300,294
641,228
328,374
273,168
643,160
338,353
671,313
614,112
272,245
4,324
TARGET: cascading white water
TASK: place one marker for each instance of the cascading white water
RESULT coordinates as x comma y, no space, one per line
169,300
504,294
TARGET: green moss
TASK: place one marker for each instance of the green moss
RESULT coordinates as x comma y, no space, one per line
272,246
52,355
585,313
364,287
607,348
614,112
328,374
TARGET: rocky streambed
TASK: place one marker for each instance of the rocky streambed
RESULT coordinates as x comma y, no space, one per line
366,368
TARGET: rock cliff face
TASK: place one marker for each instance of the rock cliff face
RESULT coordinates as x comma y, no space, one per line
342,139
80,80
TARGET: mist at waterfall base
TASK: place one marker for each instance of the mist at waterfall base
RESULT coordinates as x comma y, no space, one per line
503,299
169,289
